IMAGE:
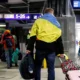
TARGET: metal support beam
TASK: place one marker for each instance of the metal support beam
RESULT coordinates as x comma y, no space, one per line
19,7
68,7
27,3
28,6
5,8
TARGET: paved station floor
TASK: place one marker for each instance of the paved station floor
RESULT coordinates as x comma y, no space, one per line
13,73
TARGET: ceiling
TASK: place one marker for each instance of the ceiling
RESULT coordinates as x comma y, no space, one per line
22,6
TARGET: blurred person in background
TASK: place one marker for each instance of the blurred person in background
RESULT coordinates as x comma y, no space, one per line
15,39
1,48
15,51
46,32
8,42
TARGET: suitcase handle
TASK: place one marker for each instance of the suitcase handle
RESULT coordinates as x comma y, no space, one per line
61,59
65,57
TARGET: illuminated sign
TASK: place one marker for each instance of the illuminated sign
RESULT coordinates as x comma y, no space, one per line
76,3
1,16
22,16
8,16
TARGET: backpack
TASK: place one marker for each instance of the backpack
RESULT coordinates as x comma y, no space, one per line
8,42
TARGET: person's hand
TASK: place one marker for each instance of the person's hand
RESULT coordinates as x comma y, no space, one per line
28,51
62,55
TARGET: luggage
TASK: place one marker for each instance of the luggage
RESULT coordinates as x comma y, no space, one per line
70,69
68,65
73,75
26,67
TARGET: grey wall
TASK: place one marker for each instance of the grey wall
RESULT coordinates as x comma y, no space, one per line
68,36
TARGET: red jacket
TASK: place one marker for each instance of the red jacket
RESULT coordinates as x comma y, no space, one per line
3,41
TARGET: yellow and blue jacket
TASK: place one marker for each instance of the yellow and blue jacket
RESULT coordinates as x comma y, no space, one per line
45,31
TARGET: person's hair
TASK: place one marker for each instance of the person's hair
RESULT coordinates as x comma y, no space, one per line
7,31
48,10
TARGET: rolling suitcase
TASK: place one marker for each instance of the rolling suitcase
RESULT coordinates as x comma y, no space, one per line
70,69
73,75
68,65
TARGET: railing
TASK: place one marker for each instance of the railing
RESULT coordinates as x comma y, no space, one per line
44,6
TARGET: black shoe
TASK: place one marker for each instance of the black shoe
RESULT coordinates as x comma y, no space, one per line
8,67
11,65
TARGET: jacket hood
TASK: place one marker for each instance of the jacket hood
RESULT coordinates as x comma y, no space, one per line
51,18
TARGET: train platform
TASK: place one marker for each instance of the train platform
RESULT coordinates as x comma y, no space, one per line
13,73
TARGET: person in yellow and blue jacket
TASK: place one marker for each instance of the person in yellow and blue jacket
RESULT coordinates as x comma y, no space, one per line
46,33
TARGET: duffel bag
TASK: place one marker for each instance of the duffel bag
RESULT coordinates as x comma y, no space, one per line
26,67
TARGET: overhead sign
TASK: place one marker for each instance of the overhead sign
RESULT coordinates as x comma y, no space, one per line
76,3
1,16
22,16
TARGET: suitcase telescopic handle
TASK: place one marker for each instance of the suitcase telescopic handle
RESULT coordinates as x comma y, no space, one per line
61,59
65,57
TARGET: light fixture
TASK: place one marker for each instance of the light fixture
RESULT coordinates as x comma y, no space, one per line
28,17
2,25
35,17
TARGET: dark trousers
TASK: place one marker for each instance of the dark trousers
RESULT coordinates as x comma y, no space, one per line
50,58
8,55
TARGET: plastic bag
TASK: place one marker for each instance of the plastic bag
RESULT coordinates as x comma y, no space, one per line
15,55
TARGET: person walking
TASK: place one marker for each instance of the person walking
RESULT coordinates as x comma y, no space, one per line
8,42
46,33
